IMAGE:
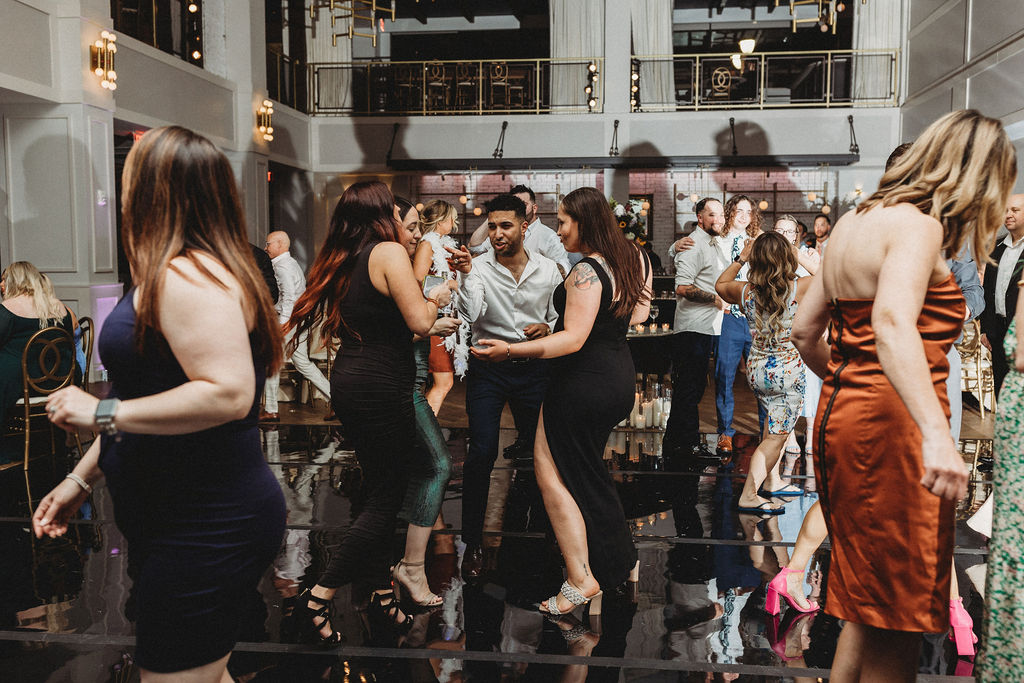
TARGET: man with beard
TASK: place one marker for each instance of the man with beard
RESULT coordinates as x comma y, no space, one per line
506,295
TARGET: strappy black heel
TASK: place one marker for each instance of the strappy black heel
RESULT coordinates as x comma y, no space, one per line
312,620
384,610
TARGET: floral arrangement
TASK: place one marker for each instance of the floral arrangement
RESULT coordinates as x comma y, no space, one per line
632,218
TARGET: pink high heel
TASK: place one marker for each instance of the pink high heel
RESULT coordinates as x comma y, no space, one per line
961,628
778,587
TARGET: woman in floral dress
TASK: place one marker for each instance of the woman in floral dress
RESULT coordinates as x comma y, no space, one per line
774,369
1002,650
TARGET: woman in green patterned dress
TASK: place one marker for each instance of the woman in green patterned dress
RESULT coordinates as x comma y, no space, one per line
1002,649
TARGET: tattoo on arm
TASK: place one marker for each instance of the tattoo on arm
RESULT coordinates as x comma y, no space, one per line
698,295
585,277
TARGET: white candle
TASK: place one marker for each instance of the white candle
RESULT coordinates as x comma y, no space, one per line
666,408
649,412
641,421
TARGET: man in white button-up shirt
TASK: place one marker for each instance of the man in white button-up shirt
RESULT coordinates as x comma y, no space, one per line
1001,289
291,283
506,295
697,324
537,237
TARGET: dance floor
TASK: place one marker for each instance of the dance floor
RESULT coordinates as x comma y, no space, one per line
695,615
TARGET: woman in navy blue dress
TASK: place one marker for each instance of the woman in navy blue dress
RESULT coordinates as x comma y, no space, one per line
187,350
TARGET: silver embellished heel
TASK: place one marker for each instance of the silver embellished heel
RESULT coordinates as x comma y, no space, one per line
574,596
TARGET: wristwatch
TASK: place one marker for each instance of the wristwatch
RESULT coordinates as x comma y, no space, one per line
738,260
104,416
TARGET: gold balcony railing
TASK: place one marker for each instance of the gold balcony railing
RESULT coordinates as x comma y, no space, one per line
377,88
768,80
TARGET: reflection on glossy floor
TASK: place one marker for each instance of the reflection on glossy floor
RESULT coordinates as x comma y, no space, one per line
696,615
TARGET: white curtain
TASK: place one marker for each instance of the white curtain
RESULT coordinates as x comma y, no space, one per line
332,84
577,33
877,26
652,35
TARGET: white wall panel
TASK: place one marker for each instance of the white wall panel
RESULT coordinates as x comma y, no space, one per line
41,191
153,89
103,202
26,47
938,48
992,22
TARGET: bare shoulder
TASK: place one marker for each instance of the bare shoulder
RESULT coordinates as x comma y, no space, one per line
186,273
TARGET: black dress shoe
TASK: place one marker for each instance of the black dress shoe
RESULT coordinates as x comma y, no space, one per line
518,449
472,562
701,452
985,464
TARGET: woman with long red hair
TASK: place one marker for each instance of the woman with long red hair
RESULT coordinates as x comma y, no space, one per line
591,390
361,289
186,349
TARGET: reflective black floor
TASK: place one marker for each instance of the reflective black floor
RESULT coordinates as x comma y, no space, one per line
695,615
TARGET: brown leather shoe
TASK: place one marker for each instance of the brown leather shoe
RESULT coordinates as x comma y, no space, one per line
472,562
269,417
724,445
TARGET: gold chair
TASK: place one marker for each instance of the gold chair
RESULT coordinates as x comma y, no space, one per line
499,82
465,85
47,365
438,86
88,339
976,371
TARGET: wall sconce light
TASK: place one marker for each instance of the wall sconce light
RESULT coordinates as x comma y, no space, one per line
747,45
763,204
590,89
826,209
463,199
477,211
737,61
101,59
264,116
812,196
634,88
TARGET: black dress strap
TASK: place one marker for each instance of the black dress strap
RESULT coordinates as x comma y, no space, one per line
602,275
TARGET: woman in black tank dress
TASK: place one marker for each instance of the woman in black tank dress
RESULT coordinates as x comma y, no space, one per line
361,289
187,349
591,390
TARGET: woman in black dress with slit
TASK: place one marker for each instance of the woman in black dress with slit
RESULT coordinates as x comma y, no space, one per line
591,390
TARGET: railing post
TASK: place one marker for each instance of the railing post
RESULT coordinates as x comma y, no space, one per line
764,66
536,86
828,79
480,87
697,83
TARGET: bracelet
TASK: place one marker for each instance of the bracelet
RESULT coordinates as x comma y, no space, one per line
81,482
434,301
508,351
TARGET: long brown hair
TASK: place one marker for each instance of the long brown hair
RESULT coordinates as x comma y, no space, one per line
364,214
179,199
755,214
960,172
599,232
772,269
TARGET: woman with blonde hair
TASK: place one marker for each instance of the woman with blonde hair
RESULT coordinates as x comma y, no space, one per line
27,308
186,349
448,355
774,370
887,467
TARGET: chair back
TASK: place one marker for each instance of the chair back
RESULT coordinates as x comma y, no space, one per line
88,339
48,362
499,73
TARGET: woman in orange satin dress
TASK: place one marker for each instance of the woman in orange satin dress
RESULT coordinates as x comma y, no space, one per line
887,468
